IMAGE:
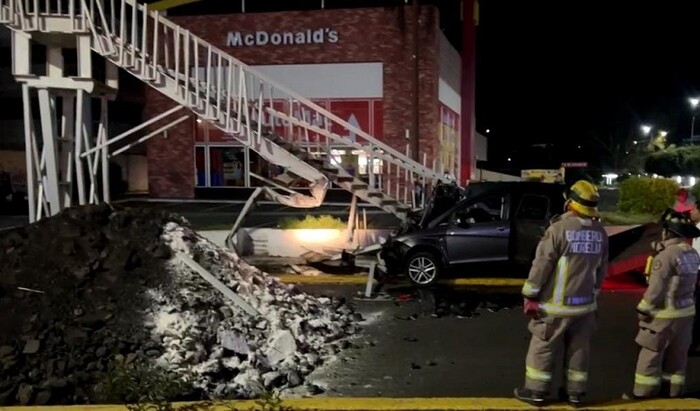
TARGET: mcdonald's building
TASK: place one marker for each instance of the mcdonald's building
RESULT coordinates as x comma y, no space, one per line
357,63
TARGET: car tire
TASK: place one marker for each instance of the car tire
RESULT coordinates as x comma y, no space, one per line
423,269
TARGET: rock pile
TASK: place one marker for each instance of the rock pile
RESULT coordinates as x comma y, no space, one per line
95,290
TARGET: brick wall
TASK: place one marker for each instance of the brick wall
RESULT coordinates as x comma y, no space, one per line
365,35
171,158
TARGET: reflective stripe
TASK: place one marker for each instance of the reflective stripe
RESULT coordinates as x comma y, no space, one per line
576,376
674,313
646,380
565,310
560,285
666,313
530,290
537,375
686,302
645,306
580,300
676,379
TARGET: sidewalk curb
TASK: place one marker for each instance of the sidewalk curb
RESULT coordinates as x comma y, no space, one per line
393,404
362,280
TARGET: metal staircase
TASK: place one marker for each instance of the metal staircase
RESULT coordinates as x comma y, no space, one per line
230,95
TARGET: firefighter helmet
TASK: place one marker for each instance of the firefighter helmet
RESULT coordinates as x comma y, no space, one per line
583,198
679,224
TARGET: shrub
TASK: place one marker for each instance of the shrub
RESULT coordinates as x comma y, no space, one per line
322,221
647,195
695,191
142,387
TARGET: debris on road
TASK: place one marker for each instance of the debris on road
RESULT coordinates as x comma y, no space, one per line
117,300
305,270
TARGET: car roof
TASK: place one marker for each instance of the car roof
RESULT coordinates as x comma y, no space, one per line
514,186
483,189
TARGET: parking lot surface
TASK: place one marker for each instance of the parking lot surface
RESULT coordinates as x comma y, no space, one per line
475,349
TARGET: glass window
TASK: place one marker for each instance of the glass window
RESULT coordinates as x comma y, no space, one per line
226,166
356,162
200,168
485,210
533,208
261,167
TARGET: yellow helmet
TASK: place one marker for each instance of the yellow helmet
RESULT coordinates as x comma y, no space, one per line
583,198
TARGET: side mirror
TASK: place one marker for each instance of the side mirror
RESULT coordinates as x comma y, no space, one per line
463,222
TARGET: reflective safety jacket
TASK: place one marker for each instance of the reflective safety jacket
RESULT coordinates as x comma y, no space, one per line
569,267
674,274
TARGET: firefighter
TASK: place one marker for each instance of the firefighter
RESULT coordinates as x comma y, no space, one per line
560,296
666,311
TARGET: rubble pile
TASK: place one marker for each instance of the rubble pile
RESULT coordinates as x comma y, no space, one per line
97,289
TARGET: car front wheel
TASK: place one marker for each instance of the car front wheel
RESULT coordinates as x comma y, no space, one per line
423,269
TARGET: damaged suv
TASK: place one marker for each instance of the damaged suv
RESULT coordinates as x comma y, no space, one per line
487,226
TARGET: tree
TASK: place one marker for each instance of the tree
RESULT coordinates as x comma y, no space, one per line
621,152
674,161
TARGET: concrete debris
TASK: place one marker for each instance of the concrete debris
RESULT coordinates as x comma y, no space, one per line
305,270
281,346
31,347
115,295
315,257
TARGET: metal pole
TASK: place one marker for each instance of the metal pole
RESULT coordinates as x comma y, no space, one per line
246,208
104,130
28,147
150,135
351,218
127,133
415,129
47,106
79,172
67,148
692,130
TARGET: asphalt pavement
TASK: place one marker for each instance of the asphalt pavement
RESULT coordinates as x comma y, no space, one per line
478,350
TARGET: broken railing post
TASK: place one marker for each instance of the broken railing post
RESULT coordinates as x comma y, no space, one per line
370,280
241,217
351,218
227,292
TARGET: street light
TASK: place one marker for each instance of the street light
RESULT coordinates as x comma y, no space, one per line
694,105
646,130
663,133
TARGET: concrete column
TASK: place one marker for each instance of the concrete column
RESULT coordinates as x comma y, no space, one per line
467,154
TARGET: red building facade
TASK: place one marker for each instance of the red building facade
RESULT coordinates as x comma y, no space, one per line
357,63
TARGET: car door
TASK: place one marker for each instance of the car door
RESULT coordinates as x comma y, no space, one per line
479,231
531,219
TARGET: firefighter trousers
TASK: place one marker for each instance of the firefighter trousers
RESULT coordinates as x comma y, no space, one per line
548,334
696,324
663,355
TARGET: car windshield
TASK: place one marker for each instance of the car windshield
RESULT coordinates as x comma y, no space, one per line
486,209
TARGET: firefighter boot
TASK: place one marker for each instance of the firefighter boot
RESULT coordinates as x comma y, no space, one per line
535,398
574,399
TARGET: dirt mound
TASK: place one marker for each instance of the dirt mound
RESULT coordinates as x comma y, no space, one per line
97,306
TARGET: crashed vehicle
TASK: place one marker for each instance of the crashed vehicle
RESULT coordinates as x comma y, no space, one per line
489,226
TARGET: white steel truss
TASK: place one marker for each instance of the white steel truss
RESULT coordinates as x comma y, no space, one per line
219,89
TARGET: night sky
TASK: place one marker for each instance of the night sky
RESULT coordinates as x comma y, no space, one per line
559,72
